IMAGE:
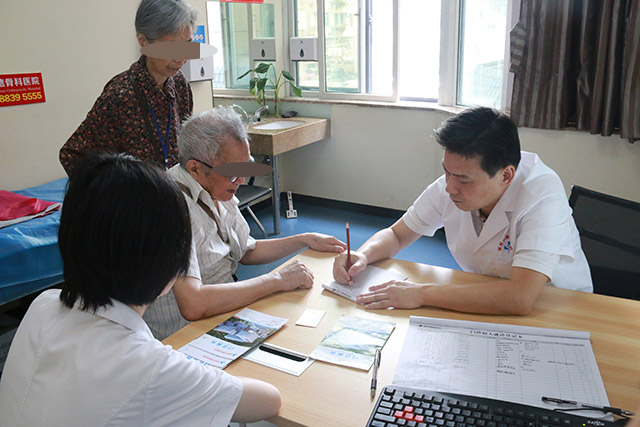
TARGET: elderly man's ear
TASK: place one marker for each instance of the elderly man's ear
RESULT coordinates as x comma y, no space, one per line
193,167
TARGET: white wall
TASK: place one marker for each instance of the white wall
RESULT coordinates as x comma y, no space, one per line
386,157
376,155
77,45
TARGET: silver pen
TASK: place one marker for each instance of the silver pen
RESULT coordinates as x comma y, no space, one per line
605,409
374,379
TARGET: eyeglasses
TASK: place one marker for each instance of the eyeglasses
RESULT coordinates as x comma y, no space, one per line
232,179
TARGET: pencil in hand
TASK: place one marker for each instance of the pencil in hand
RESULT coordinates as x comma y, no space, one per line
348,249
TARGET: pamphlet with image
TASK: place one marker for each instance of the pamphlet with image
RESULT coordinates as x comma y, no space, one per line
232,338
353,342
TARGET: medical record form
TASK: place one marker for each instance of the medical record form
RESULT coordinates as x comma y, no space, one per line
507,362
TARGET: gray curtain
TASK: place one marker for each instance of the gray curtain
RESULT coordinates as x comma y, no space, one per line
576,63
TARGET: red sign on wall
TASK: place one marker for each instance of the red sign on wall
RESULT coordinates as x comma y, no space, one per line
16,89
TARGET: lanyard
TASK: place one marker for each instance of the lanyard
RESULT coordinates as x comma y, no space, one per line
165,142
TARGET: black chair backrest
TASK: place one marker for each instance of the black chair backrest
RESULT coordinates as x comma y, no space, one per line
610,234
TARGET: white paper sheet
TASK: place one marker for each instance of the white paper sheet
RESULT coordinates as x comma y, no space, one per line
370,276
310,318
295,365
507,362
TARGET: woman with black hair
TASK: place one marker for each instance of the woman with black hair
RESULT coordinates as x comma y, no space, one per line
83,355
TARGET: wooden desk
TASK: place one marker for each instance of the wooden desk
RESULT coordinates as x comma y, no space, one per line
331,395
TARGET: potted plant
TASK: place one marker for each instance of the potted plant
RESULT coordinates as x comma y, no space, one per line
258,84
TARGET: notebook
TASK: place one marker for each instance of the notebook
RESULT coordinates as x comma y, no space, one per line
370,276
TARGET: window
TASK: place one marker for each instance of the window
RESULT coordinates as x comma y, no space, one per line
231,27
449,51
306,25
419,50
481,57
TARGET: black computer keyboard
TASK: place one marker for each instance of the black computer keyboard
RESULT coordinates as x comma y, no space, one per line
404,406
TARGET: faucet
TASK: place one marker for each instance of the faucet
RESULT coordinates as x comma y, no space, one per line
242,113
256,115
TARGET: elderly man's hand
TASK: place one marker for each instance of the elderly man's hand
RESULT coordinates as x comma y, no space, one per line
293,276
393,294
324,243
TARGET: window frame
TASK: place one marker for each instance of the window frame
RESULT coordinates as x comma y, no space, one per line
363,29
450,11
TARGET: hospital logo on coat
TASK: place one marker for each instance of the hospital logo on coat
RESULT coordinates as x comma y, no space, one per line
505,245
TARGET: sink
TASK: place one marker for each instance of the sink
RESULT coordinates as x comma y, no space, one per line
279,124
278,136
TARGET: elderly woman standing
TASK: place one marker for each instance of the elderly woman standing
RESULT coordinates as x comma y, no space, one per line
140,110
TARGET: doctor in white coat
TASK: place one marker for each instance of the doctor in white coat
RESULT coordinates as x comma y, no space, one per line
505,214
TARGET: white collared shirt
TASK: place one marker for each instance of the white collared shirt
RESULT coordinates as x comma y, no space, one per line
213,259
531,227
69,367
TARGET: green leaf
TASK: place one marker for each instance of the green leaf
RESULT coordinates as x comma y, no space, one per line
296,90
244,74
252,83
287,75
263,68
261,83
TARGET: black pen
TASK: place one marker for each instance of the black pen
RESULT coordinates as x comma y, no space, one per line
374,379
605,409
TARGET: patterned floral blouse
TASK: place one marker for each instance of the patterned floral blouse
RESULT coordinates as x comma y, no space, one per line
118,123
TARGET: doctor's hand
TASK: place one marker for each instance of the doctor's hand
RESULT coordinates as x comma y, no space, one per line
323,243
358,263
395,294
294,275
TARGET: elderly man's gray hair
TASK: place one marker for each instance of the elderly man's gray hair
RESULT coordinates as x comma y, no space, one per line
203,134
156,18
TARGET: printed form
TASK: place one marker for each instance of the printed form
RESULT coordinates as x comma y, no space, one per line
507,362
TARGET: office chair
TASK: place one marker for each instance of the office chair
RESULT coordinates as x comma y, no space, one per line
248,195
609,230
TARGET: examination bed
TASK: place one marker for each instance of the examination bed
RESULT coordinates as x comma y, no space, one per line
29,256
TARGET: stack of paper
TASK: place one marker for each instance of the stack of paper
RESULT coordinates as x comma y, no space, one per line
507,362
370,276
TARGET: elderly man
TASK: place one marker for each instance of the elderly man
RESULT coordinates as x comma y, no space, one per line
220,233
505,214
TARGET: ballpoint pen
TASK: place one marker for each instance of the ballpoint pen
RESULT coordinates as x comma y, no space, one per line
605,409
374,378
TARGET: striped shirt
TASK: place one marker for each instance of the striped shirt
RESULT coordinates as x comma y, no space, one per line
217,247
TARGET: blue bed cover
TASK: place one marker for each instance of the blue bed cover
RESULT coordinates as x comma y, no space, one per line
29,256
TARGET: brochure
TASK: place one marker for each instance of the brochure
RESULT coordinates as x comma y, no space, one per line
353,342
233,337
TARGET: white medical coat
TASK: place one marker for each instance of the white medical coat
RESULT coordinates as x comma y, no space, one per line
533,215
69,367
